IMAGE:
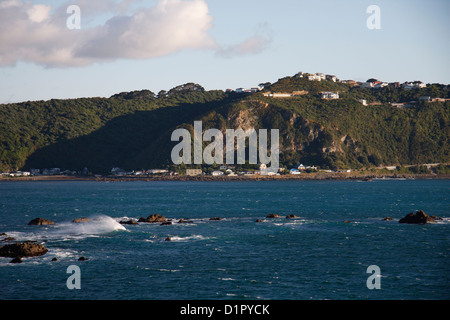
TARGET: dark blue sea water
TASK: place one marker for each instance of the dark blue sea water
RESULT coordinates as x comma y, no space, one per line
315,256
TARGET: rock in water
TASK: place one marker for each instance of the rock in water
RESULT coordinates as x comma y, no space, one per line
131,221
16,260
23,249
419,217
272,215
153,218
40,221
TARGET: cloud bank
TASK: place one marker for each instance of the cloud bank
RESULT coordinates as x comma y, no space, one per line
38,33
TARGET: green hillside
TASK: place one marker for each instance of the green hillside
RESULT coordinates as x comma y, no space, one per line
132,130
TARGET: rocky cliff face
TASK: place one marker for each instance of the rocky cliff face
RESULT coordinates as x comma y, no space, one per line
299,136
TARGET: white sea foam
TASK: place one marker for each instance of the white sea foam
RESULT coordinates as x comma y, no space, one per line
97,225
187,238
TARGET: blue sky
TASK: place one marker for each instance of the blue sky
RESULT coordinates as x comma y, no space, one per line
216,43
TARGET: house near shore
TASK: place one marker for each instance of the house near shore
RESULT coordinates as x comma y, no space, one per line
294,171
158,171
116,171
217,173
303,167
194,172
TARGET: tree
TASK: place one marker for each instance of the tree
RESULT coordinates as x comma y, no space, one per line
162,94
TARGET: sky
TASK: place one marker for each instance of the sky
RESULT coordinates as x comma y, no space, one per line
126,45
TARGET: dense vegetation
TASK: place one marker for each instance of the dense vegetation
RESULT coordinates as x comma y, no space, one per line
132,130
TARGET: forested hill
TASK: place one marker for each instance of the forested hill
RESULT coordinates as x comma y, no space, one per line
132,130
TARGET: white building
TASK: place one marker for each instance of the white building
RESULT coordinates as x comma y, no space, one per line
217,173
381,85
414,85
321,76
194,172
278,95
314,77
329,95
367,85
157,171
363,102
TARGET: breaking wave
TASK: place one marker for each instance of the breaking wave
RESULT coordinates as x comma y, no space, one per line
97,225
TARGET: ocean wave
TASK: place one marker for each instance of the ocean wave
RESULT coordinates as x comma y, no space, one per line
443,221
65,231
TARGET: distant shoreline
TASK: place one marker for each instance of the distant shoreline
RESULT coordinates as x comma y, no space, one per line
304,176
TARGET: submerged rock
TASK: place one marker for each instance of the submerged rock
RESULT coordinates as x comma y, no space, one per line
291,216
273,215
388,219
23,249
40,221
16,260
215,219
131,221
82,258
79,220
259,220
419,217
185,221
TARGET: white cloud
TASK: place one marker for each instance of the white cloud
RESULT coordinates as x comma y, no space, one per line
255,44
36,33
38,13
170,26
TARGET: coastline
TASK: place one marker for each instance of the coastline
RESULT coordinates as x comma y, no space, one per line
305,176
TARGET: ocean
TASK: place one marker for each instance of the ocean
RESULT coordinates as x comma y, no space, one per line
327,251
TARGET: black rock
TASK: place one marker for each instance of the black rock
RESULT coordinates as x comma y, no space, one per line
40,221
23,249
16,260
419,217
